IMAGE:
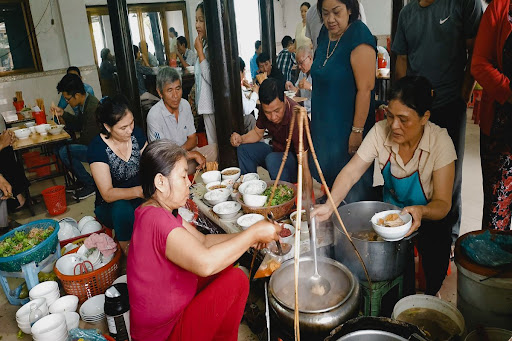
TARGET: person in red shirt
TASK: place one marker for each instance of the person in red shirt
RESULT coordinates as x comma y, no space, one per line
491,67
182,285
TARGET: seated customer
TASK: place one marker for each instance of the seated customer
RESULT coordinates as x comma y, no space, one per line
171,118
303,86
249,101
73,70
286,58
84,122
182,283
114,156
14,181
266,69
186,57
142,69
276,118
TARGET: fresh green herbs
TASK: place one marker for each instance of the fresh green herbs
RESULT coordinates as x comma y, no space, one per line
22,241
283,194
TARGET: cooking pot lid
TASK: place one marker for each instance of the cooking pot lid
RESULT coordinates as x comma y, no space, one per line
283,290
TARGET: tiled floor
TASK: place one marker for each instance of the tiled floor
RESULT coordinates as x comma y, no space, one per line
471,217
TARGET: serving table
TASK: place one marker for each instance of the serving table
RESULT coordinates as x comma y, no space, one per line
324,233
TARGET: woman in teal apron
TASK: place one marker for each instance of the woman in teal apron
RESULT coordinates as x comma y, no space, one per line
416,158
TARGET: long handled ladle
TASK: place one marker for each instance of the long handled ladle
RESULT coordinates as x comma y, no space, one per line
316,282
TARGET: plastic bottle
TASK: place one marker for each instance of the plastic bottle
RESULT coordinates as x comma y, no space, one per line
35,314
117,311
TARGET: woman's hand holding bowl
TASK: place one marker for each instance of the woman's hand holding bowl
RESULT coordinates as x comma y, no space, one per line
417,214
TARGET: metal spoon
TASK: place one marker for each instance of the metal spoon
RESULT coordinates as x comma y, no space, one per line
316,282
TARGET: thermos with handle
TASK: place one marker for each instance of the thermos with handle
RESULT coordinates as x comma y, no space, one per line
117,311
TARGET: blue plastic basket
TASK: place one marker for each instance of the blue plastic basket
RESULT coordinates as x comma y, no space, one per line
37,253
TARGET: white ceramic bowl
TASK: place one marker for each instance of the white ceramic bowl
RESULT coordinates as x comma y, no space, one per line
217,196
65,303
304,227
211,176
247,220
391,234
214,183
121,279
190,68
32,129
22,134
66,264
234,194
228,183
291,238
227,209
30,124
71,221
42,128
50,325
256,187
72,319
255,200
67,231
232,176
57,129
384,72
250,176
289,93
23,314
83,221
90,227
43,289
93,307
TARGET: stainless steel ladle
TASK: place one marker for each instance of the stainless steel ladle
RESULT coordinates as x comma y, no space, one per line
316,281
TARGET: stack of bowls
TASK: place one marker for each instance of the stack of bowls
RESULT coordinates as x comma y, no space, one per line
48,290
92,311
72,319
67,264
90,227
64,304
68,228
23,314
50,328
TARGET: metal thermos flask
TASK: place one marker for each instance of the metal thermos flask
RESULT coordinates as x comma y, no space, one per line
117,311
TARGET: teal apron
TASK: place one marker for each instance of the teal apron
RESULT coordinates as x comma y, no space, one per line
402,192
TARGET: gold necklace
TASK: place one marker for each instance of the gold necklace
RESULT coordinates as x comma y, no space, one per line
328,55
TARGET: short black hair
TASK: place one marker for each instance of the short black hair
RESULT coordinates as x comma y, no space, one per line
242,64
271,89
105,52
307,4
159,157
352,6
257,44
200,6
111,110
135,51
73,68
286,41
72,84
262,58
415,92
182,40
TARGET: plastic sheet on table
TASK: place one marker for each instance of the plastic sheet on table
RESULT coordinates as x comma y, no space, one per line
488,250
85,334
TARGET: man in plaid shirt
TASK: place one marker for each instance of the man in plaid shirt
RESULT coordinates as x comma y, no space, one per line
286,58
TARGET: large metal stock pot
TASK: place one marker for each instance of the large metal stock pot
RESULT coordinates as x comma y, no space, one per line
341,303
384,260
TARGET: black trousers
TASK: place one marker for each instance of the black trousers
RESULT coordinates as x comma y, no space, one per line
452,116
12,172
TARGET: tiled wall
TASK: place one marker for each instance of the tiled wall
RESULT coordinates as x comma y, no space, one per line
41,85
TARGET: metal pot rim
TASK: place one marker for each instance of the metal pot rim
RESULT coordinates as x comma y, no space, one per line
331,261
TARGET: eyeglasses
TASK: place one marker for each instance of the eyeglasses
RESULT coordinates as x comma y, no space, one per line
68,99
300,62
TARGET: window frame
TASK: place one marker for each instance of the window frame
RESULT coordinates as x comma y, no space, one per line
32,39
160,8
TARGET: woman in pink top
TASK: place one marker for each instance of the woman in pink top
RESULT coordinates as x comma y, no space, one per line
168,256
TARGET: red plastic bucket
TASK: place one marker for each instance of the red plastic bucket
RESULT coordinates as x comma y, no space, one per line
29,158
18,105
40,117
55,199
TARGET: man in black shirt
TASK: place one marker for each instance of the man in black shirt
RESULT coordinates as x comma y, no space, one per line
265,67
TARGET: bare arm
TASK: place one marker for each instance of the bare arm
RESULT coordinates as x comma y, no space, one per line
253,136
469,81
347,177
101,175
441,202
362,60
208,255
401,66
191,142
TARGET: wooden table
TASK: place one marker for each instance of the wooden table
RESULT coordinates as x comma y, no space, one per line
36,140
21,119
325,234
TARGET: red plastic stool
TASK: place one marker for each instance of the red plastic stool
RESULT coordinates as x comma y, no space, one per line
201,139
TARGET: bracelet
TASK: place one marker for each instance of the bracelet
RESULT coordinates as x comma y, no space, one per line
357,130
